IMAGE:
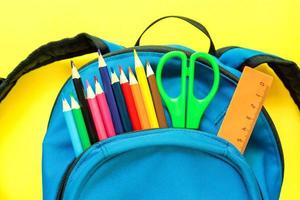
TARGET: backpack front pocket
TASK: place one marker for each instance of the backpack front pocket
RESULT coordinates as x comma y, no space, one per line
161,164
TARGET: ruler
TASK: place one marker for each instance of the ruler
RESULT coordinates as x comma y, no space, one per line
245,107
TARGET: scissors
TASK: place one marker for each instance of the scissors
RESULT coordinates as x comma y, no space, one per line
195,107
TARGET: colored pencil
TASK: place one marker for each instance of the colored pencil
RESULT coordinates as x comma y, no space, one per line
109,94
74,135
162,122
97,118
136,125
115,84
83,104
80,125
142,79
104,110
138,100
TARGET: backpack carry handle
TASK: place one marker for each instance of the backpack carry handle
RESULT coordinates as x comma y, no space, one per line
81,44
212,49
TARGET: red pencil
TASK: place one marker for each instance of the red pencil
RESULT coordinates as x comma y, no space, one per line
133,115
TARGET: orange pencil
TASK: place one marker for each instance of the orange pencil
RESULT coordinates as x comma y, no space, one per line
138,100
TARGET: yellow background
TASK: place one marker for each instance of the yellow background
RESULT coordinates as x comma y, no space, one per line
270,25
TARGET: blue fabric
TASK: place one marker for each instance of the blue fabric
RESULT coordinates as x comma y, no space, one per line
237,56
261,158
187,166
113,47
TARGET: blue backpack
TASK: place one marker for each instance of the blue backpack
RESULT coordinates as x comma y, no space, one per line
162,163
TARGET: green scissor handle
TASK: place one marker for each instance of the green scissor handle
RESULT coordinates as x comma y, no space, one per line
195,106
176,106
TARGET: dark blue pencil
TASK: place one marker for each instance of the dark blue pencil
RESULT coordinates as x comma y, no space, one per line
109,94
115,84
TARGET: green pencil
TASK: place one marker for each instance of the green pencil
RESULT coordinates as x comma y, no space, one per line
78,118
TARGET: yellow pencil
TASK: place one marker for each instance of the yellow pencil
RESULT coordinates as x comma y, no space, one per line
145,90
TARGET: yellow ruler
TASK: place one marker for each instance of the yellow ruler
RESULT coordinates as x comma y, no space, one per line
245,107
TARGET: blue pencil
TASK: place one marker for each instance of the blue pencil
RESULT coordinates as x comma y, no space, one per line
74,135
109,94
115,84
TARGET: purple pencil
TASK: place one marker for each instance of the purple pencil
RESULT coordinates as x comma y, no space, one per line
109,94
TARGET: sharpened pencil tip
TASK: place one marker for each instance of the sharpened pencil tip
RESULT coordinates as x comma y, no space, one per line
129,70
66,105
137,61
95,78
72,63
98,88
101,61
89,91
87,83
74,103
132,79
123,78
120,68
149,70
114,77
75,73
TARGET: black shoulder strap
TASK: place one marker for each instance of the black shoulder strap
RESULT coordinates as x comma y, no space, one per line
287,71
54,51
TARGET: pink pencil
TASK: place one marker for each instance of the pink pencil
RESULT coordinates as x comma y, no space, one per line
104,110
93,105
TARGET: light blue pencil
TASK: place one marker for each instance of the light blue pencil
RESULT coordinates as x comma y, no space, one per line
77,147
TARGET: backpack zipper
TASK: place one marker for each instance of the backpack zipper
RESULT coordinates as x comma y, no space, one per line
162,49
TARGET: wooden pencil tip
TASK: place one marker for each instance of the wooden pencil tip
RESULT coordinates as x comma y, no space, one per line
72,63
120,68
149,70
74,103
123,78
89,91
98,88
75,73
129,70
114,77
112,70
87,83
95,78
63,100
132,79
101,61
137,61
66,105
